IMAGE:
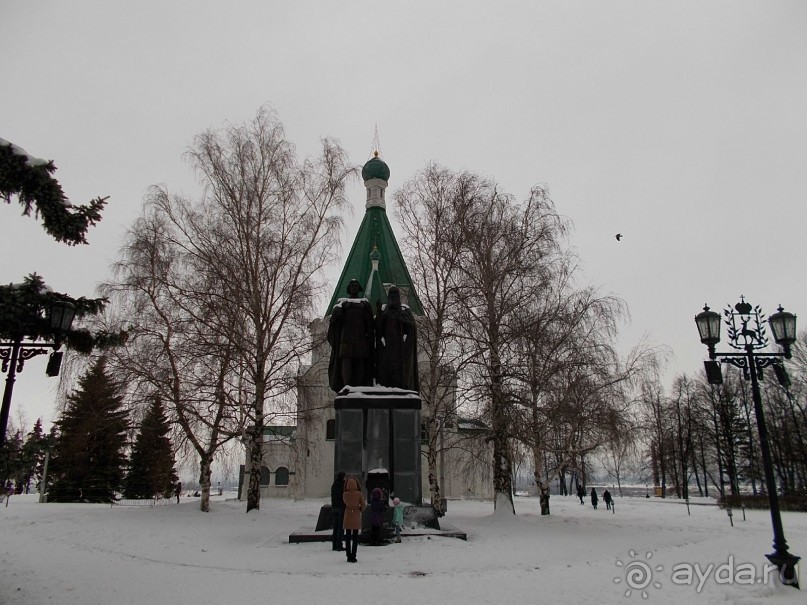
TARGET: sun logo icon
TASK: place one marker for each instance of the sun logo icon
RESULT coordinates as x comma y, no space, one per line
638,574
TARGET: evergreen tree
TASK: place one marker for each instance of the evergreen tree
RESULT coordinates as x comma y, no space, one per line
33,453
31,181
12,463
88,459
151,466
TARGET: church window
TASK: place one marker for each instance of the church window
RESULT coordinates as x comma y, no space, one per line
330,430
266,476
282,476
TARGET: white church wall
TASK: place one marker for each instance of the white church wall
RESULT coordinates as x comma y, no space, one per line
314,408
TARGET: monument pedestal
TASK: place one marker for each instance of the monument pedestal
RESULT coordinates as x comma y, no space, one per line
378,432
378,442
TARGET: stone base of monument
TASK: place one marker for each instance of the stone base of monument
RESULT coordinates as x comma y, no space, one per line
418,521
378,442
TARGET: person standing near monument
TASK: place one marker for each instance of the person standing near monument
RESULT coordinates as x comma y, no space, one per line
396,344
378,506
338,509
397,518
351,336
354,506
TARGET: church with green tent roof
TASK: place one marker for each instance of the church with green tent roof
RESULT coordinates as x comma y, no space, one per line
298,460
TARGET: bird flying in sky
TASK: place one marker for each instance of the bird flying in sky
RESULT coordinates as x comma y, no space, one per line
618,237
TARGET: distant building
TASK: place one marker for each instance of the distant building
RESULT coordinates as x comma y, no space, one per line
298,461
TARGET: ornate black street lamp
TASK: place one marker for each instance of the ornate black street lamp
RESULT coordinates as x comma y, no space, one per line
17,351
746,331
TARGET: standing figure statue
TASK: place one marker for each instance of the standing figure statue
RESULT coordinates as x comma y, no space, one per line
396,345
351,336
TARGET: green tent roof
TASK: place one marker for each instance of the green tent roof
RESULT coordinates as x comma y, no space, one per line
375,231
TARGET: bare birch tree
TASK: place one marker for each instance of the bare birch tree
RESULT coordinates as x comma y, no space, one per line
659,429
278,222
169,351
506,248
426,210
619,456
683,407
562,331
254,245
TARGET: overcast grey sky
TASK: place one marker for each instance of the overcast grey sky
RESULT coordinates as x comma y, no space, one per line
682,125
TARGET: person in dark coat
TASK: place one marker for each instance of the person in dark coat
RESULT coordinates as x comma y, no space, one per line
606,497
351,334
581,493
178,490
594,498
377,508
338,510
354,506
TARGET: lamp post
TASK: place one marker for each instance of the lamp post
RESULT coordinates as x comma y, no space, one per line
15,353
746,331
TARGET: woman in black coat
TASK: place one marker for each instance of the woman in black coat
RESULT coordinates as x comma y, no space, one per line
594,498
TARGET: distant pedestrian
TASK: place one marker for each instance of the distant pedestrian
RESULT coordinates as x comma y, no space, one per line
178,490
397,518
351,523
338,510
594,498
378,506
606,497
581,493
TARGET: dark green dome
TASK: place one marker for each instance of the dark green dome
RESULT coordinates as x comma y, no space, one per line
375,168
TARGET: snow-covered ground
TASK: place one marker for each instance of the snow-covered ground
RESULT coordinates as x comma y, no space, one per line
95,554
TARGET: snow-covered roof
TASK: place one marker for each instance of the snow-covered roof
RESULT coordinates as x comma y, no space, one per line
471,424
376,391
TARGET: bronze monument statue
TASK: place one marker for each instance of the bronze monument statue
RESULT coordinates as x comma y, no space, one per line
351,336
396,344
